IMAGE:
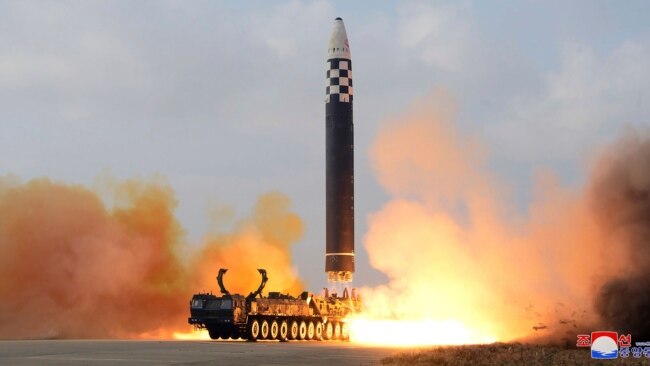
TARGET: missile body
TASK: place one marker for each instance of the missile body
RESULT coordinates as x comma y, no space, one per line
339,254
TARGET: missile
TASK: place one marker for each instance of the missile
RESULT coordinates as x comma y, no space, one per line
339,253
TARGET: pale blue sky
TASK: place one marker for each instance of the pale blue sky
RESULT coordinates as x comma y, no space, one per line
225,99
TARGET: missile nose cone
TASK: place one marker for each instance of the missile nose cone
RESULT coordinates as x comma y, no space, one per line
338,46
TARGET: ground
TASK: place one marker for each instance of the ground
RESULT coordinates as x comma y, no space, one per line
503,354
240,353
129,352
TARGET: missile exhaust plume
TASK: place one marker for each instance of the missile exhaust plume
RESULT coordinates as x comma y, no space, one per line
456,252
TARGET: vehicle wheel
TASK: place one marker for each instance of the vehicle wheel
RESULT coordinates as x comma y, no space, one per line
302,330
293,330
254,330
345,331
329,331
264,329
310,330
337,331
225,334
214,333
284,330
275,329
319,331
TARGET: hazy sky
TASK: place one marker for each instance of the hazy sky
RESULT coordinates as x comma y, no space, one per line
225,99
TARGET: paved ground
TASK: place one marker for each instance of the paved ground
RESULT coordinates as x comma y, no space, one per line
128,352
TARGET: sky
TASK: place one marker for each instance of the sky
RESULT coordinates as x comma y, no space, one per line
225,100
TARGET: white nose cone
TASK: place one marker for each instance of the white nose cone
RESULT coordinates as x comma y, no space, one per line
339,46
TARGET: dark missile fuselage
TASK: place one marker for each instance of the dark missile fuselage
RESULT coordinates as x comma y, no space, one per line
339,170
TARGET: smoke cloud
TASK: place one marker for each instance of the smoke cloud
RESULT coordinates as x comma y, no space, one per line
455,249
263,240
621,197
73,267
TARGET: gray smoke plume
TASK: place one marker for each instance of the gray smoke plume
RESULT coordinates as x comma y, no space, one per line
620,194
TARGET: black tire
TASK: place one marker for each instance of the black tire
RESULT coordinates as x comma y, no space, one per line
226,334
302,330
328,332
275,330
264,329
253,330
345,331
311,330
284,331
319,331
214,333
337,330
293,330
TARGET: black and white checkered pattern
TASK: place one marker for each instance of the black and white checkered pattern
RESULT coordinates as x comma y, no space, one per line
339,81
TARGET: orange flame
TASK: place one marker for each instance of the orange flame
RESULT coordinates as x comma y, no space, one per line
461,268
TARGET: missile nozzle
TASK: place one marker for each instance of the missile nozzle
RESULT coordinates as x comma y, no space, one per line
339,276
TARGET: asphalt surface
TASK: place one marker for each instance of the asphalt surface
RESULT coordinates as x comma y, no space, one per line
130,352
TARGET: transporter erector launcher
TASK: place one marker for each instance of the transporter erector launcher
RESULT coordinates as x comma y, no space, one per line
339,253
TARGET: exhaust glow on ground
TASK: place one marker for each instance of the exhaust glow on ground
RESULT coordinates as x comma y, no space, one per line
197,335
409,333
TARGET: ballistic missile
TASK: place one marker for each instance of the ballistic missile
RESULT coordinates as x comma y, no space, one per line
339,253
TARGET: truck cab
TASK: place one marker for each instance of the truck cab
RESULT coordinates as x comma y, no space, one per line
223,317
